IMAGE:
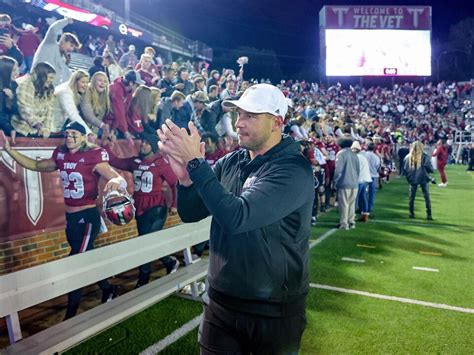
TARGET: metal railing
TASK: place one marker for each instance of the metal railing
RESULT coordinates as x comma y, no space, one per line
29,287
462,139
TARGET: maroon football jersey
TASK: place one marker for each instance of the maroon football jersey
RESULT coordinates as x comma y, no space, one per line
148,177
80,182
332,149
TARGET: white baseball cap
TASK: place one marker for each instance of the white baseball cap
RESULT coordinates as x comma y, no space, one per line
261,98
356,145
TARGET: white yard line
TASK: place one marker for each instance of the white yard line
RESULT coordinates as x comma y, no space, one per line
366,246
394,298
344,258
321,238
420,268
173,337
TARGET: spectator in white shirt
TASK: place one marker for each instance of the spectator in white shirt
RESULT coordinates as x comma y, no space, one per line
69,96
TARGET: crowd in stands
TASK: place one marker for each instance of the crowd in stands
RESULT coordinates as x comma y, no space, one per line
126,94
353,137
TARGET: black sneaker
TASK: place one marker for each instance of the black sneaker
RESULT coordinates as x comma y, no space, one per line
411,216
109,294
323,208
429,218
173,267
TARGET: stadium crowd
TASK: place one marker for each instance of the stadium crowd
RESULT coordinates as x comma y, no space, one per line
353,137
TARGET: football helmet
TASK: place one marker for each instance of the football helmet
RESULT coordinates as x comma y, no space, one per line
118,207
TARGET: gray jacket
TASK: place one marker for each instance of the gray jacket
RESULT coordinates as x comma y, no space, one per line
48,51
374,164
347,171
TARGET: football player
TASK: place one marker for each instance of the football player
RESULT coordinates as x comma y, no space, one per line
150,172
332,149
80,166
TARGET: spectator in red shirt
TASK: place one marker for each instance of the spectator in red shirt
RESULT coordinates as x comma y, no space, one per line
121,92
28,43
141,111
147,70
442,155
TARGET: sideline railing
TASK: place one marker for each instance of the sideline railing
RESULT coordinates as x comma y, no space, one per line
27,288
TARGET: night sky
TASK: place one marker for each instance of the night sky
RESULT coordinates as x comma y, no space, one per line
290,28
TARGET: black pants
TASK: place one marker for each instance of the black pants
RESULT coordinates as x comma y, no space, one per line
426,195
318,192
151,221
82,228
471,159
224,331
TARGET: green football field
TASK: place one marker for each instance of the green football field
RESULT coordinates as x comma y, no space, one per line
393,285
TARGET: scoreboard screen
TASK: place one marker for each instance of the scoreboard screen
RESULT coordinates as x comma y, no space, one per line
378,53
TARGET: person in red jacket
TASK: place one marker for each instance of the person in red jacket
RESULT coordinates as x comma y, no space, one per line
121,93
28,43
441,153
152,176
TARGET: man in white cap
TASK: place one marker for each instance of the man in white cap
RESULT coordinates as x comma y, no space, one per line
129,59
346,180
260,198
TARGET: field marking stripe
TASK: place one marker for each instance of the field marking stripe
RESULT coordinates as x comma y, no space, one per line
344,258
393,298
366,246
173,337
321,238
421,268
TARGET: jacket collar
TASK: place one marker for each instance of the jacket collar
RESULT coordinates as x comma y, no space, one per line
286,144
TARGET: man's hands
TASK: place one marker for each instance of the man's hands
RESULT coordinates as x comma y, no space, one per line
178,144
180,147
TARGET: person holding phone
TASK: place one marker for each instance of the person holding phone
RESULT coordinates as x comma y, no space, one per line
8,47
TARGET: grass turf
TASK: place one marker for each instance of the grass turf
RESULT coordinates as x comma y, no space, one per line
142,330
350,324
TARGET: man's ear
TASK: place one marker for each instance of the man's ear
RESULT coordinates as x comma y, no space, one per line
278,123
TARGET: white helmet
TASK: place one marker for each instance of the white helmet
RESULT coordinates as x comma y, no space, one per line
118,207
